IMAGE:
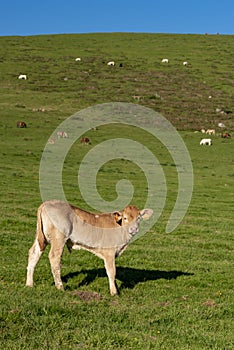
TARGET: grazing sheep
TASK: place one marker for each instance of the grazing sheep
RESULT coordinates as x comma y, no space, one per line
207,142
221,125
62,134
224,112
135,97
22,76
185,63
78,59
210,131
165,60
111,63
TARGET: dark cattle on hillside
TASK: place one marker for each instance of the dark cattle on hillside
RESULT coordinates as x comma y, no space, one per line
225,135
85,140
21,125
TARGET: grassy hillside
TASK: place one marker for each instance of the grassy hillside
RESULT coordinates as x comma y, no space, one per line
62,86
176,290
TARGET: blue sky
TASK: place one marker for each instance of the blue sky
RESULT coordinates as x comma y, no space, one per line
28,17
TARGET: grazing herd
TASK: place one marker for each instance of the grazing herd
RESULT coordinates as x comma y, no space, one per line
166,60
208,141
60,134
86,141
106,235
109,63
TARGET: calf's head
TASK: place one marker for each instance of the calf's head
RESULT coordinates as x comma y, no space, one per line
131,217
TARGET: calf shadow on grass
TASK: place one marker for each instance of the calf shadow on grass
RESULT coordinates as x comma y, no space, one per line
129,277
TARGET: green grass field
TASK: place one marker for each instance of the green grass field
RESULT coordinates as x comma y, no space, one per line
176,290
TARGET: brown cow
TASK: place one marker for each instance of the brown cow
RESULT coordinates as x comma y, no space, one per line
106,235
85,141
21,125
225,135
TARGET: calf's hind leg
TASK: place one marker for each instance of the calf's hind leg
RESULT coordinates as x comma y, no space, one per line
55,256
34,255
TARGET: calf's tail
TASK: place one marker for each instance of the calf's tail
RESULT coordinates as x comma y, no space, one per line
40,234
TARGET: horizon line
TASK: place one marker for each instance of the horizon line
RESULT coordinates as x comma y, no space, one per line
110,32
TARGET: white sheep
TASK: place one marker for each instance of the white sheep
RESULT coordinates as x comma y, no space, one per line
111,63
62,134
210,131
165,60
207,142
22,76
221,125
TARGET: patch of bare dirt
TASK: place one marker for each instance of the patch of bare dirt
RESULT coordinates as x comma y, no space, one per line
88,296
209,303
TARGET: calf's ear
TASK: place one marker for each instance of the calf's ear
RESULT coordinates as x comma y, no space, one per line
118,217
146,213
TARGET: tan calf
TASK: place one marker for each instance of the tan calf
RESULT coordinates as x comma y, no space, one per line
106,235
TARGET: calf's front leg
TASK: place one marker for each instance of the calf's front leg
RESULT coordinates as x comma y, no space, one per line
111,272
